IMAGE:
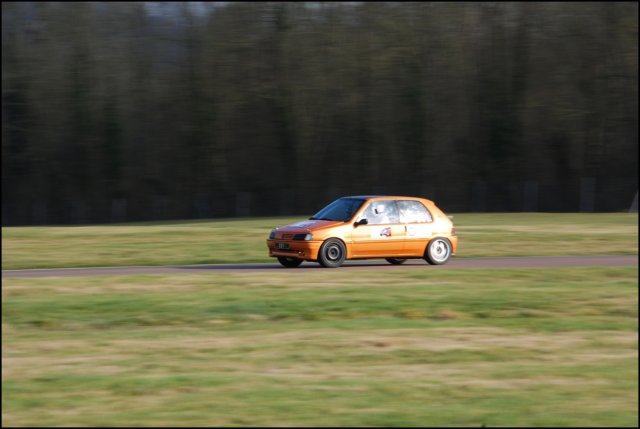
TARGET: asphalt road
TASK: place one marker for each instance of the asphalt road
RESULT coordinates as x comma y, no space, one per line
371,264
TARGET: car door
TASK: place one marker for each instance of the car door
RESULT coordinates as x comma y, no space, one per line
383,235
418,224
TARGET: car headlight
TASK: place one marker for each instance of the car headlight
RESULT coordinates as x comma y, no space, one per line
301,237
273,234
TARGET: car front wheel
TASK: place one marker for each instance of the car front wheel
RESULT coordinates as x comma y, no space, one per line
289,262
332,253
438,251
396,261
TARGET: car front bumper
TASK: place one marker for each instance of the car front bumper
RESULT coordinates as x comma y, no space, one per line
307,250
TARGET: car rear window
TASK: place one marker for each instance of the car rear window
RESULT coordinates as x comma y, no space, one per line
413,212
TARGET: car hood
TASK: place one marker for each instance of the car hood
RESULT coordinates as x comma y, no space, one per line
307,226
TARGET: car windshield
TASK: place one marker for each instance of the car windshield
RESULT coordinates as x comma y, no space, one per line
342,210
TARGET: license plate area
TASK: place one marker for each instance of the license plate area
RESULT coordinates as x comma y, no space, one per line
282,246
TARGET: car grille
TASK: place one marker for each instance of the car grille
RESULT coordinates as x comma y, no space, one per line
291,236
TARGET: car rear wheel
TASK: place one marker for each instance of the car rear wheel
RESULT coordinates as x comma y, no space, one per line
332,253
396,261
289,262
438,251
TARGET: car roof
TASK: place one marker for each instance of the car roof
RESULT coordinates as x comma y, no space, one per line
394,197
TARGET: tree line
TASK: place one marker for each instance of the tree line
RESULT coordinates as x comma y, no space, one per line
115,111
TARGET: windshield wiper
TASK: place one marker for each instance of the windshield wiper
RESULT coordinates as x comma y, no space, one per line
319,218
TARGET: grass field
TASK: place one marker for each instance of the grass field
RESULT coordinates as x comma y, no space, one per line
402,347
521,347
236,241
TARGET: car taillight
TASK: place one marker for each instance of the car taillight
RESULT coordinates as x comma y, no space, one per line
453,231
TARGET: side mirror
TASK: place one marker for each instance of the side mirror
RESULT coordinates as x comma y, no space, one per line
361,222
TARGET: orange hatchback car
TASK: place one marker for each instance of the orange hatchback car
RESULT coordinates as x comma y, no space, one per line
365,227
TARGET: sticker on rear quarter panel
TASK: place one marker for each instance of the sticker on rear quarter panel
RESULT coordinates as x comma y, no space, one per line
418,231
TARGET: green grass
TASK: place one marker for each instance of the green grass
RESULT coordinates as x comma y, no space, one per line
513,347
517,347
237,241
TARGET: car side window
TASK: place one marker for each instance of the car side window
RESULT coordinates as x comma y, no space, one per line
413,212
381,212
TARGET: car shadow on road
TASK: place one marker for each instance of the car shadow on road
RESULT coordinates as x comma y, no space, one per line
303,266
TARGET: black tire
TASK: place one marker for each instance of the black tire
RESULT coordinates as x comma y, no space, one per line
289,262
396,261
438,251
332,253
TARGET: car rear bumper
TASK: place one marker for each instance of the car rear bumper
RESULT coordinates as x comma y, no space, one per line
307,250
454,244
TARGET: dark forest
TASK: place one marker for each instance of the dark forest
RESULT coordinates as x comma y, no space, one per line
125,111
